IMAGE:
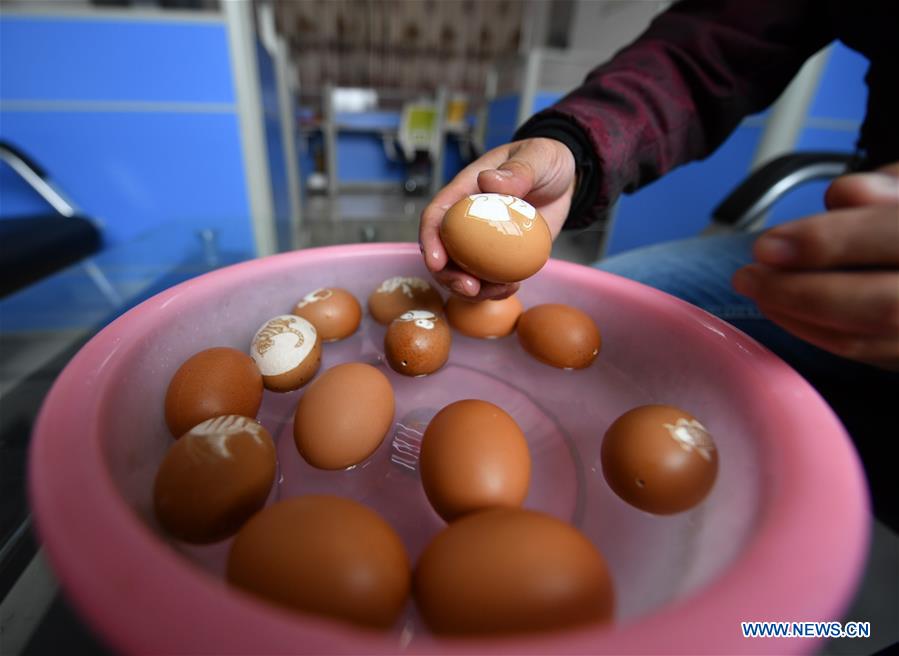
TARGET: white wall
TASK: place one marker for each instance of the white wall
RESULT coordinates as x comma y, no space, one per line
605,26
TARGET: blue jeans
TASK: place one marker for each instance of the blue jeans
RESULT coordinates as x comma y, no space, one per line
699,270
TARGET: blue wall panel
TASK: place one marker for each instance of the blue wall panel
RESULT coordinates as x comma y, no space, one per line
835,115
136,170
47,58
454,160
310,146
680,204
809,199
842,92
369,120
275,147
134,118
543,99
16,197
361,159
501,119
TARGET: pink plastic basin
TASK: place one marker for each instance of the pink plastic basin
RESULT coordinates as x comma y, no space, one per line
782,536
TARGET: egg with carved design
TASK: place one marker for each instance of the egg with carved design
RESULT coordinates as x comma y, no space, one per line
288,351
214,478
400,294
417,343
660,459
496,237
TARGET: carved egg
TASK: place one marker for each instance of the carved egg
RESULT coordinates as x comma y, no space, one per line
659,458
495,237
288,351
417,343
401,294
214,478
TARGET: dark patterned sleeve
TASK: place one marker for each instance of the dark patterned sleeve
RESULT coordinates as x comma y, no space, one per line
678,91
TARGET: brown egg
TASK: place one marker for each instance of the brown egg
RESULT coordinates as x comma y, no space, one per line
659,459
343,416
288,351
559,335
400,294
495,237
215,382
510,571
324,555
473,456
214,478
485,320
334,312
417,343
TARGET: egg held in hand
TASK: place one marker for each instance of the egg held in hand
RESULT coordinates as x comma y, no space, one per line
495,237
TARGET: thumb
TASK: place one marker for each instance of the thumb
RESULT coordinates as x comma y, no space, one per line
514,177
859,189
540,168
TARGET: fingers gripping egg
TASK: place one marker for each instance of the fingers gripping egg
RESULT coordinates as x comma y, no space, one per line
495,237
288,351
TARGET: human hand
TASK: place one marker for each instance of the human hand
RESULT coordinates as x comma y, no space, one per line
832,279
540,171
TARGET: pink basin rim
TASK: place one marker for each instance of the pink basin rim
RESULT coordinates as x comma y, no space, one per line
803,562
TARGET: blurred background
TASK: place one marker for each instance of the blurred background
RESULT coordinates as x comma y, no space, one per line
145,142
279,125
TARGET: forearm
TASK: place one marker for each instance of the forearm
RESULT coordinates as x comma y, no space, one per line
678,91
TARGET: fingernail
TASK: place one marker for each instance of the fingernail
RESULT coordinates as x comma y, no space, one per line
885,184
469,283
773,249
435,255
504,174
745,282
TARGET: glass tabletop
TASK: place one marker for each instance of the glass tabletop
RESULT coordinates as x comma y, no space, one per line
44,325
